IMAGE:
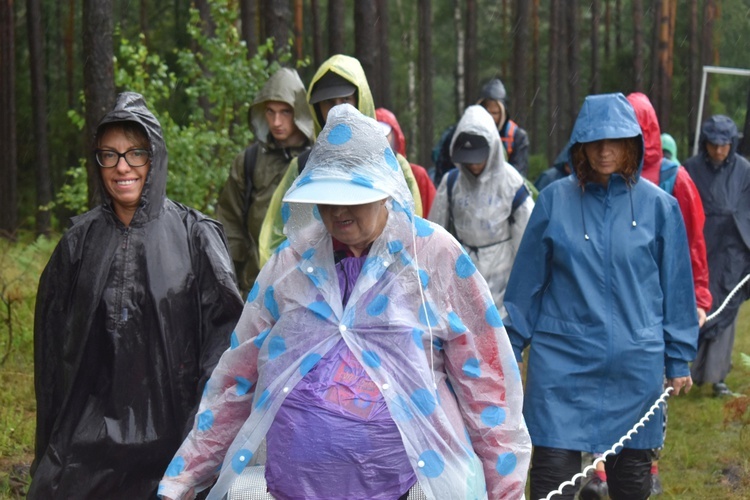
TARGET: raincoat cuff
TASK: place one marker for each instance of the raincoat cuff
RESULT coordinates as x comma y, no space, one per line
676,368
172,489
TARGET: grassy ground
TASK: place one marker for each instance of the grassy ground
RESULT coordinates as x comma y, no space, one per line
704,455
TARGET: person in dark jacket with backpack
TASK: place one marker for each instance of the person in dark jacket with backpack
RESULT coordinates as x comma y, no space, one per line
283,127
494,98
484,202
133,311
723,180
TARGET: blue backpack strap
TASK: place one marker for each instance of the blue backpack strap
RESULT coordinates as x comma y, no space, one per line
521,195
668,174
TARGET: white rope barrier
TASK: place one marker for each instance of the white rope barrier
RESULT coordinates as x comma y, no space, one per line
649,413
729,297
641,423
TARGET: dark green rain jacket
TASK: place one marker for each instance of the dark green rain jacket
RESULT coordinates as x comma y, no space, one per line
242,223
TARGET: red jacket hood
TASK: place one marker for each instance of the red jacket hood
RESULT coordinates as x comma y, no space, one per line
385,116
649,123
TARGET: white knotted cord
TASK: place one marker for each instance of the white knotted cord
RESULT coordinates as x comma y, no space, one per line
729,297
649,413
619,444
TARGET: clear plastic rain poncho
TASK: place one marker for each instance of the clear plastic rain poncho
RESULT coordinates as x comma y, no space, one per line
482,206
420,320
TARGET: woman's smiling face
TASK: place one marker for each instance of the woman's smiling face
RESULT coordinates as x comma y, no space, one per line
123,183
355,225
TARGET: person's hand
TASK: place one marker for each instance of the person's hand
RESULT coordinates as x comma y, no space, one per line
680,384
701,317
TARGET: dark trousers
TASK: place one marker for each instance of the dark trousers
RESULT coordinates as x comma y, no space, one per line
628,473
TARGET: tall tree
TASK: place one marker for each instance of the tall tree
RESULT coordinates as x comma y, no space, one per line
204,9
70,26
460,92
317,39
471,61
664,50
638,45
744,147
249,23
277,22
574,66
553,109
520,62
335,27
425,81
618,25
298,30
98,77
561,57
39,113
607,28
693,71
8,167
535,75
707,43
365,47
384,54
595,84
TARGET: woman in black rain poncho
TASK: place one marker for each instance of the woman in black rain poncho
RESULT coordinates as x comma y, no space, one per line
134,309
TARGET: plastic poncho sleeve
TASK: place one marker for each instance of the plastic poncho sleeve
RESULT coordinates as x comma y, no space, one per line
227,403
528,278
272,233
48,349
484,376
680,316
229,211
219,306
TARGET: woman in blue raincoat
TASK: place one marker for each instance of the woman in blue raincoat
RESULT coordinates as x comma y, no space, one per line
601,291
370,355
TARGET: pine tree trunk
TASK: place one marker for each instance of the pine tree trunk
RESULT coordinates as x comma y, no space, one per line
460,91
384,54
520,96
249,23
335,27
365,46
471,63
638,45
98,78
317,38
8,166
39,113
553,110
425,82
595,20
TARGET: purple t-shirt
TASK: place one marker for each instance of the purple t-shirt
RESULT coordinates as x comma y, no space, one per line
333,437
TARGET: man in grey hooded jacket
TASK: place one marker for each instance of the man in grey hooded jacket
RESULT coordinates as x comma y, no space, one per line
283,127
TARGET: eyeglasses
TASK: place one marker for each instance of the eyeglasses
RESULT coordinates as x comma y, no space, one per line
108,158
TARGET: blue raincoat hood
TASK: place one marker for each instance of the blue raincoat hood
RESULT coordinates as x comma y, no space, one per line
605,116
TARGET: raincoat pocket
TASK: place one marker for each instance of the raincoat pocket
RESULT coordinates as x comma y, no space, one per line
649,334
556,326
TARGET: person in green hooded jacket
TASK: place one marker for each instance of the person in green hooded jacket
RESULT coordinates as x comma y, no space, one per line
283,127
340,79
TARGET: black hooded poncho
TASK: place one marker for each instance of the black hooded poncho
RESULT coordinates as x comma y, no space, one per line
725,192
129,323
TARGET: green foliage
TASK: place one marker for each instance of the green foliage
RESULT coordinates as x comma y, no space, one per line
215,85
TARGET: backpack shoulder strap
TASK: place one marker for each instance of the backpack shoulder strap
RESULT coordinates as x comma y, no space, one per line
302,160
251,158
520,196
452,176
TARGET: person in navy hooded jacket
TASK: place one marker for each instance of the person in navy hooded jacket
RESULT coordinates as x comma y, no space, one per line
601,291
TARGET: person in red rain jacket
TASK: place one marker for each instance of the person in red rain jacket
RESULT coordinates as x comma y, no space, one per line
398,144
687,197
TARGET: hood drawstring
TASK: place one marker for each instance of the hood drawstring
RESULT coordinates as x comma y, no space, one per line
583,213
583,218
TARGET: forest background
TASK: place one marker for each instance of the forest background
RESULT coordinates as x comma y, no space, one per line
200,63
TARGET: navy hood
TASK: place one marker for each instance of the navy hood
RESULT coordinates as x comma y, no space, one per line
719,129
